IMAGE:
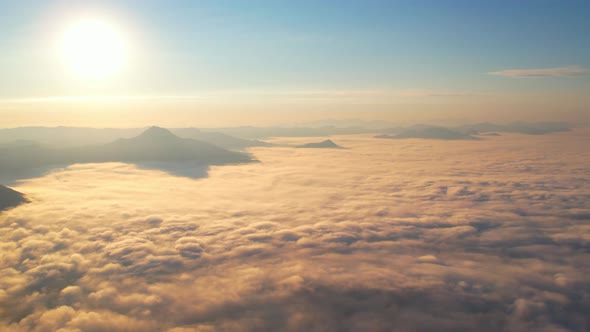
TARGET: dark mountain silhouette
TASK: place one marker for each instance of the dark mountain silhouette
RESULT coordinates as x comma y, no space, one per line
10,198
248,132
239,138
346,123
63,137
327,144
155,146
219,139
429,132
530,128
400,129
158,144
420,130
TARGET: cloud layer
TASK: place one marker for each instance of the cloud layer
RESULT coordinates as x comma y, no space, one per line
405,235
570,71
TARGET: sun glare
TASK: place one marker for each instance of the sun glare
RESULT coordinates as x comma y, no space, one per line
92,49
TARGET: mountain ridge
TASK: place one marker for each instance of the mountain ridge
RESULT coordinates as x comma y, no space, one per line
429,132
10,198
327,144
153,145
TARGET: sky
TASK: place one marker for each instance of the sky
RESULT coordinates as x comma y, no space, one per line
268,62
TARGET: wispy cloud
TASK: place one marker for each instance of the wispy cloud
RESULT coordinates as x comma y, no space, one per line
569,71
338,92
384,93
59,99
331,95
396,93
435,93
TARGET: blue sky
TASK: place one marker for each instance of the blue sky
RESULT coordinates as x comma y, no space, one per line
193,48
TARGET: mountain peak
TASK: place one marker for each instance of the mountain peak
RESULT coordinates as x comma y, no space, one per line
10,198
157,133
327,144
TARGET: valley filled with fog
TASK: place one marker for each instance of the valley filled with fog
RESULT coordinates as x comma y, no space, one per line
417,234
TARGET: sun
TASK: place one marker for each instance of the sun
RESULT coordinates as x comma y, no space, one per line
92,49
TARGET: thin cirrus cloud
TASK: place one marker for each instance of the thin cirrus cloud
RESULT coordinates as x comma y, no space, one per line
569,71
409,92
337,92
435,93
59,99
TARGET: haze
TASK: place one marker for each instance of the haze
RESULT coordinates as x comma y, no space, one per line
294,166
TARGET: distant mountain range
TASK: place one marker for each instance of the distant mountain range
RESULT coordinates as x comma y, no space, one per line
220,139
429,132
158,144
530,128
10,198
345,123
61,137
240,138
348,128
266,132
327,144
153,145
236,138
467,132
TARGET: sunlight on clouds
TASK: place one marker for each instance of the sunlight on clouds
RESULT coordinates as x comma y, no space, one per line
492,231
571,71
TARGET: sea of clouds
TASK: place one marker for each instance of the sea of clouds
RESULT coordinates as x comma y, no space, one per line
404,235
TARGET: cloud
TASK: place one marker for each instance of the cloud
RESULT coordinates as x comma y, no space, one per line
309,240
94,99
435,93
388,93
570,71
338,93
